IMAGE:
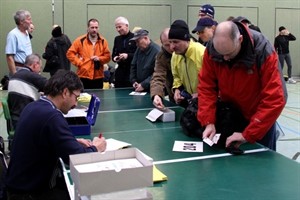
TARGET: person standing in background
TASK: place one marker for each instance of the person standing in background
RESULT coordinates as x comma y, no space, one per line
186,62
162,78
89,52
57,47
18,44
30,30
123,52
281,45
143,62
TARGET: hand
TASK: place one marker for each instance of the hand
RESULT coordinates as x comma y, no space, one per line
139,88
99,143
84,142
116,58
209,132
135,85
194,95
157,102
236,138
123,56
95,58
177,97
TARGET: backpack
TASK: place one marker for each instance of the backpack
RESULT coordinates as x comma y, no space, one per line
228,120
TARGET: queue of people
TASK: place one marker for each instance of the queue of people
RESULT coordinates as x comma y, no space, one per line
227,67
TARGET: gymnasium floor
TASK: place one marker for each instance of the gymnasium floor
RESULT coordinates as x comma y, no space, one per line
288,143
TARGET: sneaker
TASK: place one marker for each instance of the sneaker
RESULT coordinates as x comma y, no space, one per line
292,81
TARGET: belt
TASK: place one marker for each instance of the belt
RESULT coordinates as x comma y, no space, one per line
19,64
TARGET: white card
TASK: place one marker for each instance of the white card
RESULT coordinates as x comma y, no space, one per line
214,140
188,146
154,114
137,93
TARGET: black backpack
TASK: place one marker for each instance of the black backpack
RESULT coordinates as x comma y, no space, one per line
228,120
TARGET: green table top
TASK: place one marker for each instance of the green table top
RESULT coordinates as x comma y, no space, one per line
259,174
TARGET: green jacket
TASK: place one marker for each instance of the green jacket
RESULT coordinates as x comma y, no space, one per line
185,68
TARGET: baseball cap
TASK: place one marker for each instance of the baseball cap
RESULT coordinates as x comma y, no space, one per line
139,33
208,10
202,23
241,19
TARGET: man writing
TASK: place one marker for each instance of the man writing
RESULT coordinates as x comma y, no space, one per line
42,136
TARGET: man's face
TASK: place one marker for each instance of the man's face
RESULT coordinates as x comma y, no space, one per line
71,99
142,42
179,46
225,46
26,22
122,28
93,29
206,34
37,67
166,45
31,28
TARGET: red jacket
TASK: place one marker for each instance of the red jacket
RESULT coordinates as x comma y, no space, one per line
80,54
252,82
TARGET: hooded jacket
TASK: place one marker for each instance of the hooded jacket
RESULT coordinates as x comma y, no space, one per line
80,54
252,82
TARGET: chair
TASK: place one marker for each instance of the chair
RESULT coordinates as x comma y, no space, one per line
9,125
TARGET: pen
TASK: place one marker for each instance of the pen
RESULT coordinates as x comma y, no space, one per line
100,135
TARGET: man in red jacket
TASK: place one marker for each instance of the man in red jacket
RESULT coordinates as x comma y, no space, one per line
240,66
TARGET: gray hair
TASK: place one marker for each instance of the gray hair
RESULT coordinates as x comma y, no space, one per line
122,20
21,15
32,58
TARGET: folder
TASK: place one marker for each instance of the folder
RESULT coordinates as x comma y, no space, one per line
158,176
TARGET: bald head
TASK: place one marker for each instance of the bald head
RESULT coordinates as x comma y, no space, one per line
164,38
227,39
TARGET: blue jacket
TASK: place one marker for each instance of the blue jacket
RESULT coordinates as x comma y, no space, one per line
41,137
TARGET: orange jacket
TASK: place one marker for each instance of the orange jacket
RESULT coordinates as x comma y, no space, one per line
80,54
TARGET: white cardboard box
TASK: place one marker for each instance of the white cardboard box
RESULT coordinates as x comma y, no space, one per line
166,115
92,183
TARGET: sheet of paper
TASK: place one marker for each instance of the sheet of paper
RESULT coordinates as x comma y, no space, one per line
188,146
84,97
116,165
158,176
76,113
138,93
154,114
112,144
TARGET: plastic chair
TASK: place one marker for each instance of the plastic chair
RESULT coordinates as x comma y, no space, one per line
9,125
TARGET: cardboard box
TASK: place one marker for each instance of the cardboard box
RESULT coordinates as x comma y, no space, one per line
81,121
106,181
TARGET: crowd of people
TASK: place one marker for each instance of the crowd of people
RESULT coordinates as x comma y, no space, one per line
232,61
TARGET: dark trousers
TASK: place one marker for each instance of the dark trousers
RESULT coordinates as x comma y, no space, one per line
287,59
92,84
54,194
269,140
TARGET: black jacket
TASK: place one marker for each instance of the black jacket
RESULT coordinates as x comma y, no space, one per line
57,46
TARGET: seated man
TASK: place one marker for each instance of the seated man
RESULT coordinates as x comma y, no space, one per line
24,86
42,136
143,62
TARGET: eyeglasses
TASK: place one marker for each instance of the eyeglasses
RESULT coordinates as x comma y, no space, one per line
76,95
